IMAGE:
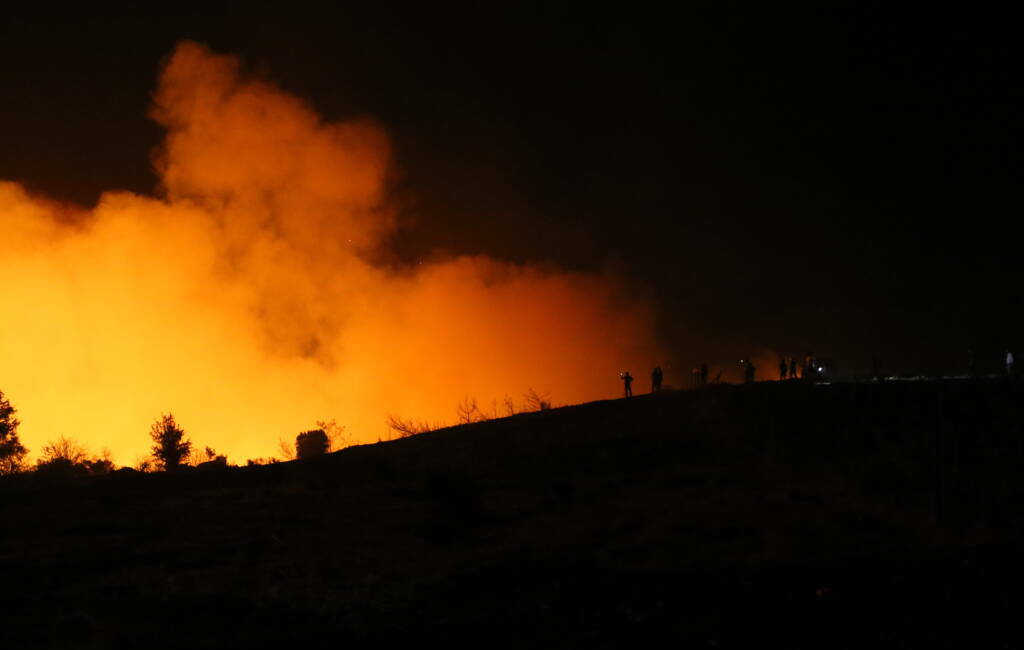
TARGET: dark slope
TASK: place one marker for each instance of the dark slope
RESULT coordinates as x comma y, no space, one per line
845,515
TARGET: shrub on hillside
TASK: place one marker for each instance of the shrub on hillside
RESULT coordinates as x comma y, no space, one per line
64,458
534,401
406,428
207,457
312,443
257,462
217,462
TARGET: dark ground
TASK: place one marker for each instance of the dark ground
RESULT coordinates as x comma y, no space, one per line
844,516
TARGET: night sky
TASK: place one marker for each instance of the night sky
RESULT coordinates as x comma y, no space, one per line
844,182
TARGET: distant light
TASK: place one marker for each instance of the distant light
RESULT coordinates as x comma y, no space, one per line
820,369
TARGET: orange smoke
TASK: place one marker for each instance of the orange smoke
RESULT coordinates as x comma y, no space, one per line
247,301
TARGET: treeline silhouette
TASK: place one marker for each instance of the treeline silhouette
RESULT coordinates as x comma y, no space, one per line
172,450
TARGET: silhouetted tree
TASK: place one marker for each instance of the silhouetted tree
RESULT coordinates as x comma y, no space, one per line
286,448
171,447
335,433
510,406
468,411
12,452
311,443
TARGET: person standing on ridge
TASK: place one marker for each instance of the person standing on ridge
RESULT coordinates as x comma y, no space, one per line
627,381
792,367
783,366
656,376
748,371
704,373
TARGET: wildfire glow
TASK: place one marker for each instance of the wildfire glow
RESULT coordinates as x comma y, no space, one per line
247,297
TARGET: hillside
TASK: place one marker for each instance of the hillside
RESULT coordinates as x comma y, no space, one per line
845,515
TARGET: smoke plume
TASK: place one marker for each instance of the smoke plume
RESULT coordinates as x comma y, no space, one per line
248,298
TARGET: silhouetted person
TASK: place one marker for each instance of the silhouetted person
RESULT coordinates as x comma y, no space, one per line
627,382
695,376
783,367
704,374
656,376
808,366
792,368
1009,363
748,372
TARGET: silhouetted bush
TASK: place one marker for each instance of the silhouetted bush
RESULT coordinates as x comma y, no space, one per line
311,443
171,448
60,468
534,401
336,439
207,457
12,452
65,459
99,466
217,462
406,428
256,462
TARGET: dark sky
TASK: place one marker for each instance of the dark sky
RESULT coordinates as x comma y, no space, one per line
845,181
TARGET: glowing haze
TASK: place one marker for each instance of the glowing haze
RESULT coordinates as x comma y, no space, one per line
248,298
